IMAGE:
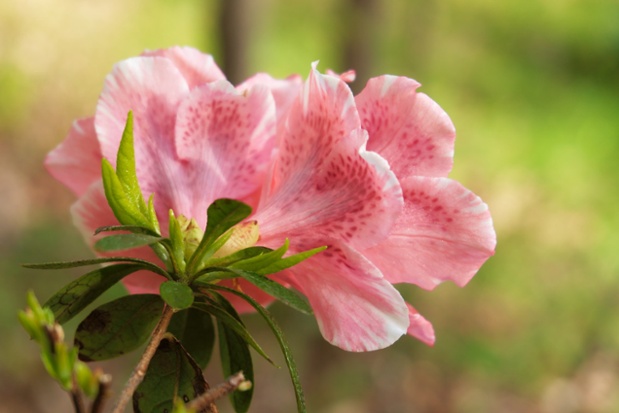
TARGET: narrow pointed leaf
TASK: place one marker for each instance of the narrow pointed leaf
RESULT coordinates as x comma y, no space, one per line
130,228
76,295
177,243
125,168
237,256
61,265
263,260
292,367
171,374
196,332
122,242
125,211
235,357
285,295
232,320
177,295
118,327
290,261
222,215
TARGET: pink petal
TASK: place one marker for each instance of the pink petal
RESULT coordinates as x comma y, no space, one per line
348,76
76,162
323,182
419,327
90,212
444,233
356,308
226,139
197,68
152,88
407,128
284,91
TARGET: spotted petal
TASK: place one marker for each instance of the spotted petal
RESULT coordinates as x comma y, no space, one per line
356,308
405,127
323,182
76,162
444,233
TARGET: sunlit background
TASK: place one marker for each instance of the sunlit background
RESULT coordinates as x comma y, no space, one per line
533,89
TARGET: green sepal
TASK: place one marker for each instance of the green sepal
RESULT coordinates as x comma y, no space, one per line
61,265
177,242
79,293
172,374
121,242
118,327
177,295
292,368
235,356
222,215
196,332
225,313
290,261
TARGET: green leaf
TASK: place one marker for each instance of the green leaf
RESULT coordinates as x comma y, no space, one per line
177,242
125,168
237,256
76,295
263,260
171,374
292,368
222,215
61,265
124,210
290,261
235,357
196,332
177,295
130,228
224,312
122,242
285,295
118,327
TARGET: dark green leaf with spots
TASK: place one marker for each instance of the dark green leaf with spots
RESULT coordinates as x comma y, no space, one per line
118,327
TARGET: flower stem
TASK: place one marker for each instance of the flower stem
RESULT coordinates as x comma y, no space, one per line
140,370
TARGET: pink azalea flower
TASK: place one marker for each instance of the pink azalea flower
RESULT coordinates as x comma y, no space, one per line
363,175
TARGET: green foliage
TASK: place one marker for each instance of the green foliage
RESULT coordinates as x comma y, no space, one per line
177,295
123,242
196,332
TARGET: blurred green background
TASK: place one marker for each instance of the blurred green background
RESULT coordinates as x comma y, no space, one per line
533,89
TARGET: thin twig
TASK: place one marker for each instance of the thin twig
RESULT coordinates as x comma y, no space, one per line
105,380
205,400
140,370
76,398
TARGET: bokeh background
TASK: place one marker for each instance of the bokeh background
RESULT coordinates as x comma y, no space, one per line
533,89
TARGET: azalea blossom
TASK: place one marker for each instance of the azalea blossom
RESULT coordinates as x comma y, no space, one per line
365,176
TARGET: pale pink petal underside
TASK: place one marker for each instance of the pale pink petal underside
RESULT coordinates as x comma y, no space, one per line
445,232
76,162
90,212
419,327
225,138
197,68
356,308
152,88
407,128
323,182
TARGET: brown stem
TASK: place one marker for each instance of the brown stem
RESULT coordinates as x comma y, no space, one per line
105,380
140,370
205,400
77,399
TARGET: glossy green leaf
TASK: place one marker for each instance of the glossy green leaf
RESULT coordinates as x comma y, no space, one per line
171,374
130,228
76,295
225,313
124,210
292,368
178,295
235,357
290,261
196,332
222,215
122,242
118,327
60,265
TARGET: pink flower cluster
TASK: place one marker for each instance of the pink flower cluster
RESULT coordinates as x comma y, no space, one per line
365,175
